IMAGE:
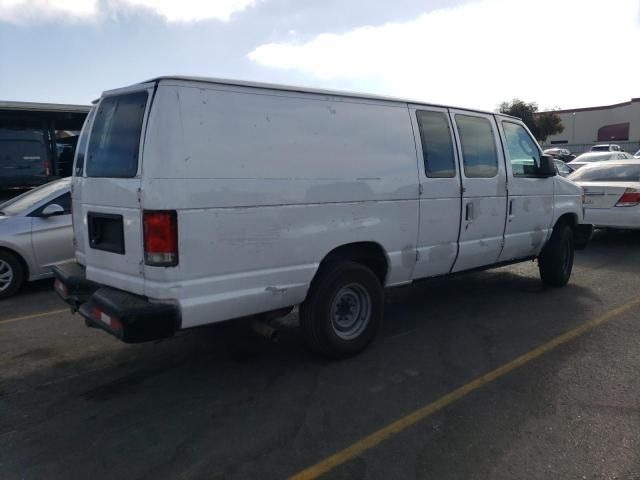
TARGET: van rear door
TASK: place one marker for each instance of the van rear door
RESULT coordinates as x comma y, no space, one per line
109,200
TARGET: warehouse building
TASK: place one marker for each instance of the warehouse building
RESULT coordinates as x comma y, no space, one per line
585,127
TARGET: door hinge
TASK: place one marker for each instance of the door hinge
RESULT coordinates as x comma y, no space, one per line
141,268
417,255
420,189
139,192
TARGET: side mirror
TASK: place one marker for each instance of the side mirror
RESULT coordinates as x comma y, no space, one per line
52,210
547,167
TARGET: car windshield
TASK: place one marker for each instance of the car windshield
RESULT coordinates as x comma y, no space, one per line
608,173
25,202
594,157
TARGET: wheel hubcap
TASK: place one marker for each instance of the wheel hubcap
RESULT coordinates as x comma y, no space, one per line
6,275
350,311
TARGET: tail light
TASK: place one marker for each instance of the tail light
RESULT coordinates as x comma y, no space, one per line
160,238
630,198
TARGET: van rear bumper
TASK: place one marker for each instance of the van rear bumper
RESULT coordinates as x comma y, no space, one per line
131,318
71,284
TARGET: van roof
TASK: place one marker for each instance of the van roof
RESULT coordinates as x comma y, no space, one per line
295,88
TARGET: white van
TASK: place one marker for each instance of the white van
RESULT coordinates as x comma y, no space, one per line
198,201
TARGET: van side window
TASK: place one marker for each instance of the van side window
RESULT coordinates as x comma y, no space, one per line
479,154
523,152
437,147
82,144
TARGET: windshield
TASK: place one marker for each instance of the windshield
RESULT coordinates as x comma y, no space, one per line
115,136
22,204
607,173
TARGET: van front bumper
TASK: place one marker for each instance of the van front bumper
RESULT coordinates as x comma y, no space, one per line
129,317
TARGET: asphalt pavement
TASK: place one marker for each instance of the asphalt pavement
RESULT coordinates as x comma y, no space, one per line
217,403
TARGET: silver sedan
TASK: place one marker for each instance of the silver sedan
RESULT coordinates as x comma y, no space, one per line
35,234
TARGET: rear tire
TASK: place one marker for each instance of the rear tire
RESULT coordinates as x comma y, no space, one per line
343,310
11,274
556,259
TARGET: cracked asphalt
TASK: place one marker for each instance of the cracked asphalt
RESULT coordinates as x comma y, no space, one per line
216,402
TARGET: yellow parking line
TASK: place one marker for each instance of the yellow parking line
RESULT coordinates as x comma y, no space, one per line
35,315
376,438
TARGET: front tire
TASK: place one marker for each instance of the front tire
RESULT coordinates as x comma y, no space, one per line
556,259
343,310
11,274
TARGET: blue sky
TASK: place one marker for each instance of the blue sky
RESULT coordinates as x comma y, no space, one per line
560,53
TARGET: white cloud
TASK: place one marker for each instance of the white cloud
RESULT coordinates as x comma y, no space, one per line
28,11
22,11
191,10
557,52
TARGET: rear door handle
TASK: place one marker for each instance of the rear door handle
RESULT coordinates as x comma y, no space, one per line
510,207
469,212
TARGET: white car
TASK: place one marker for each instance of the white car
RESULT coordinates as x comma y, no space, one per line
200,201
637,154
35,234
592,157
606,147
612,194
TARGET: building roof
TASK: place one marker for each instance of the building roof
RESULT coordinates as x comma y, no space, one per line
43,107
602,107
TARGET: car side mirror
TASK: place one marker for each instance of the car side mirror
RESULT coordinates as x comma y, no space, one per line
547,167
52,210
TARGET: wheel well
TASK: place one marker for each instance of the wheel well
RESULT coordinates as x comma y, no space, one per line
369,254
570,219
20,259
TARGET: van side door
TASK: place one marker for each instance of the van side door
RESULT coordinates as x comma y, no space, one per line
484,190
530,207
440,191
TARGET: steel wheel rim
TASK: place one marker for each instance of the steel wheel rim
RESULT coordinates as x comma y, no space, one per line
6,275
350,311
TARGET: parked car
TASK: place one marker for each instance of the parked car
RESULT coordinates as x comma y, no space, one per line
612,193
560,153
200,201
562,168
35,234
606,147
591,157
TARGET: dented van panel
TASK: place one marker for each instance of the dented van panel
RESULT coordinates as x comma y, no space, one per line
262,184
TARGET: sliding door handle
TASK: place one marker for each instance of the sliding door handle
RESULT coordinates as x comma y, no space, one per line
468,215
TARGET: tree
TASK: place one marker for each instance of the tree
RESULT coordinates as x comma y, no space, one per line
548,123
541,124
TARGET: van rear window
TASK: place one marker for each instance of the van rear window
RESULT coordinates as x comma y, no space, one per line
115,136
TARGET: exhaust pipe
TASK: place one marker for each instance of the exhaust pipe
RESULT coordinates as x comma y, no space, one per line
265,330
